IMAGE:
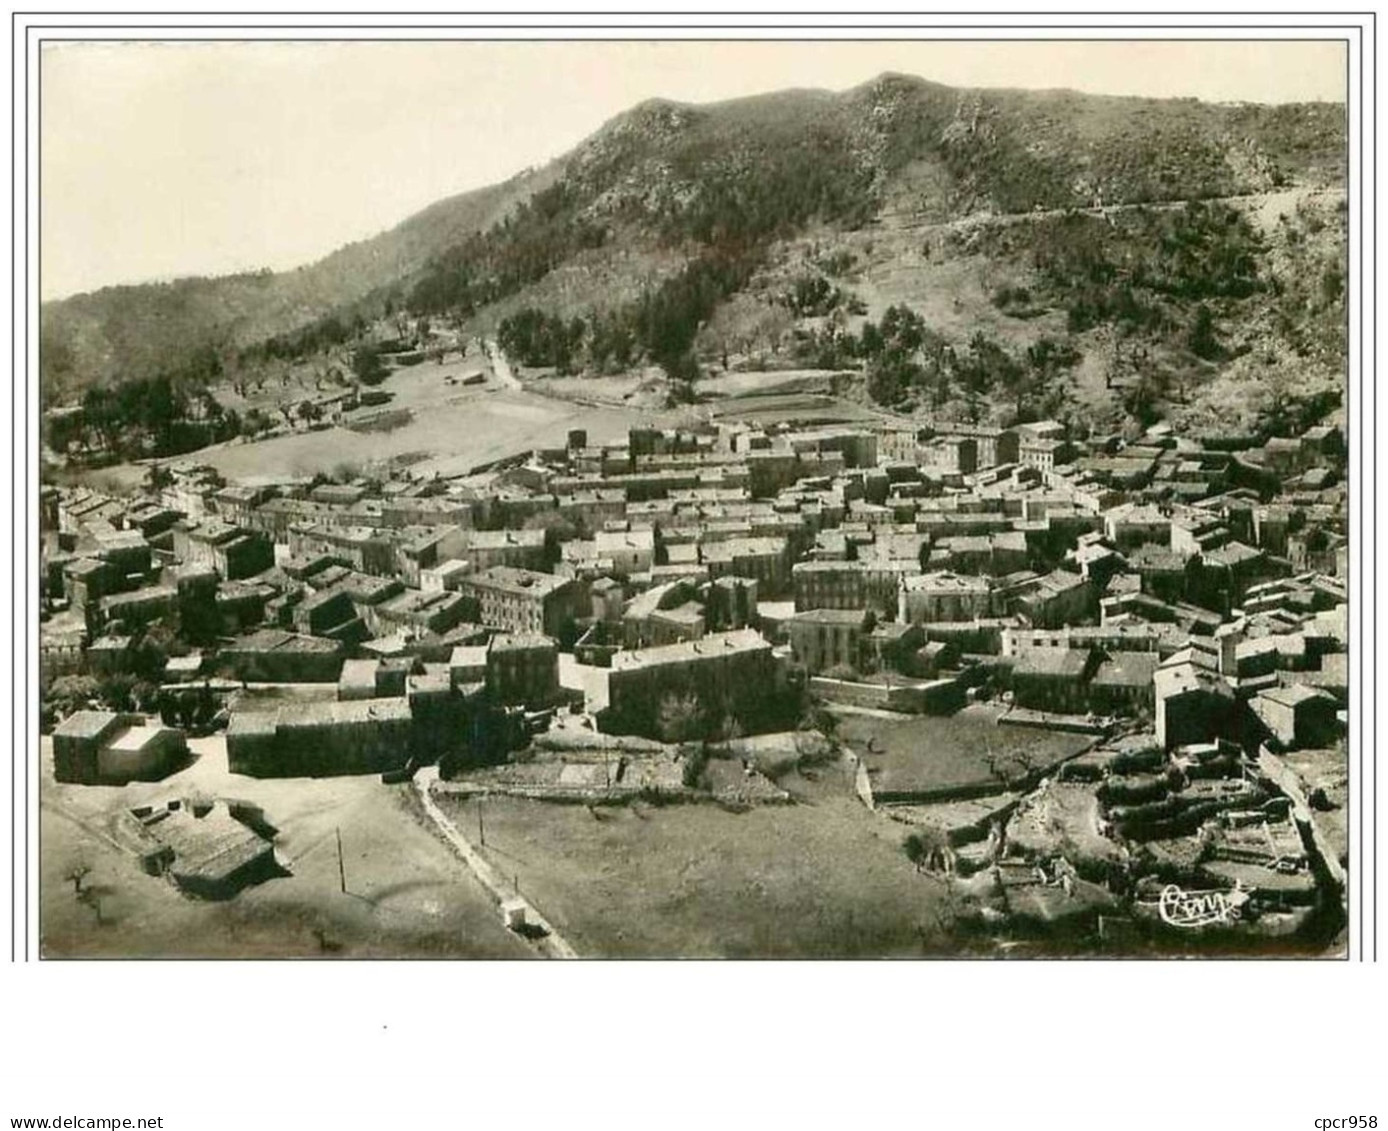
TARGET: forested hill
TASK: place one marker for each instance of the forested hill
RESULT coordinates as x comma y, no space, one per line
702,190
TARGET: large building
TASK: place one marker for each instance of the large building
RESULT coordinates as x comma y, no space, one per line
521,600
828,638
522,670
945,596
320,739
848,585
106,748
726,676
521,549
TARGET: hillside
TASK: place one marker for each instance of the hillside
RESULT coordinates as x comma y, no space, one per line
135,331
774,230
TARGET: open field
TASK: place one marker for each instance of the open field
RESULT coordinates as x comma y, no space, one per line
818,879
798,408
765,382
443,429
943,754
408,895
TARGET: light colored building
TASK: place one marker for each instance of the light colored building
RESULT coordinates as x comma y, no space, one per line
628,551
827,638
945,596
521,600
106,748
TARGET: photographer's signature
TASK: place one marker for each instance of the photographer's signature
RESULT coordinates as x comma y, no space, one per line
1183,908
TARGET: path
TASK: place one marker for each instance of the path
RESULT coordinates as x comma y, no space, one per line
551,943
501,367
1264,203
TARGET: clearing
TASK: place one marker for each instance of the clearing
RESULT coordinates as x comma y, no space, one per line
823,878
408,895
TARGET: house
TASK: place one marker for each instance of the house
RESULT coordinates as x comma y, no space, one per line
364,548
1058,598
138,608
828,638
444,576
663,614
1287,455
427,612
521,600
951,455
321,738
467,664
1131,525
522,670
86,581
1193,704
1051,679
731,603
945,596
204,847
233,551
765,560
1122,683
895,646
628,551
846,585
1042,453
519,549
275,656
1296,715
725,676
331,613
373,679
106,748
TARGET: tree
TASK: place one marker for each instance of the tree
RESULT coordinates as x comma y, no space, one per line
91,897
1202,340
368,366
77,870
680,717
70,693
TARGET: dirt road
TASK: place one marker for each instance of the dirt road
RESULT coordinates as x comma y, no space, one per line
501,368
545,939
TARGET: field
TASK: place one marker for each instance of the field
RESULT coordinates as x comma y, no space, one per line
821,878
432,425
408,896
964,751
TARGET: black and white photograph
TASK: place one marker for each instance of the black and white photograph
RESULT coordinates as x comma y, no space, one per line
603,492
904,519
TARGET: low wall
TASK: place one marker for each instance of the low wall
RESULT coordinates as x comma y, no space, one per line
933,697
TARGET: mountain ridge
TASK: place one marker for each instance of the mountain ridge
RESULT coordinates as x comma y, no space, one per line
671,175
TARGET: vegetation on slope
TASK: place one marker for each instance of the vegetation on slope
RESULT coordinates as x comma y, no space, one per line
723,189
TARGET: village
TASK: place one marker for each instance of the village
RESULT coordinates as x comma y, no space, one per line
1086,691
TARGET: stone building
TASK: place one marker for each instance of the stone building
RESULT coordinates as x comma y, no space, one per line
945,596
522,670
106,748
1194,704
727,676
321,739
521,600
827,638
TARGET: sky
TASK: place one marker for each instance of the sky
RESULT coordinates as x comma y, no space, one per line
166,160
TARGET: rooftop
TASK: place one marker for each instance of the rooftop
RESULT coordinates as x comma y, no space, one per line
710,647
515,580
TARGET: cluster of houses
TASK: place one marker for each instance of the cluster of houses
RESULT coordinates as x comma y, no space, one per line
704,582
